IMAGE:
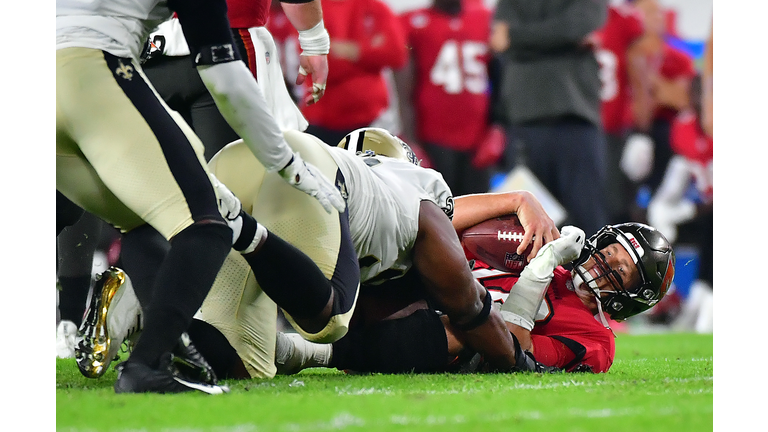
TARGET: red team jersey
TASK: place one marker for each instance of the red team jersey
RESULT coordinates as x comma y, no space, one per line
451,90
689,140
247,13
623,26
674,64
566,334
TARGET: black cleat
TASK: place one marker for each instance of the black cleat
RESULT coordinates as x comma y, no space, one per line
133,377
188,363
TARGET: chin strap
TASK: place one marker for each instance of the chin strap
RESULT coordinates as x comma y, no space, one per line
602,315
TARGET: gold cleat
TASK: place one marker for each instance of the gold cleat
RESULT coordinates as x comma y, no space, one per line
113,317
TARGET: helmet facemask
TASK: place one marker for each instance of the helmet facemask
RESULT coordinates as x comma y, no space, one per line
654,262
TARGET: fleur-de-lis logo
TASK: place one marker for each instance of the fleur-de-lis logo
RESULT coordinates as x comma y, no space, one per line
125,72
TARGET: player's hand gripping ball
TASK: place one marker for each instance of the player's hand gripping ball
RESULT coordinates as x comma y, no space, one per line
495,242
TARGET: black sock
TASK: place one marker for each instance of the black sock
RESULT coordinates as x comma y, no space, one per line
183,281
416,343
217,351
290,278
73,297
142,252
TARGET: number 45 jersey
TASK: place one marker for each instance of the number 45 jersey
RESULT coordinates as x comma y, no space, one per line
383,199
450,57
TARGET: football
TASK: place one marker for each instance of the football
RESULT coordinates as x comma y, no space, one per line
495,242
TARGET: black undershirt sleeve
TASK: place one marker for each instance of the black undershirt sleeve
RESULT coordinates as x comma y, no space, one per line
206,29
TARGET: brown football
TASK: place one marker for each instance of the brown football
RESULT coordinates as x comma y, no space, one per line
495,242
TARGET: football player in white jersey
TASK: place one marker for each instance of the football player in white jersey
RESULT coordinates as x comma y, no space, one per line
398,218
122,155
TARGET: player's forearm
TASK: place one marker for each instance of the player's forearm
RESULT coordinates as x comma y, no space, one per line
469,210
523,336
493,341
303,16
673,93
241,102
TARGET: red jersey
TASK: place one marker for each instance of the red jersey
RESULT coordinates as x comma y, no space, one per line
689,140
247,13
566,333
623,26
356,92
674,64
451,90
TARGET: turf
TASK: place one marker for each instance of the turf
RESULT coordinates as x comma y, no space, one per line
658,382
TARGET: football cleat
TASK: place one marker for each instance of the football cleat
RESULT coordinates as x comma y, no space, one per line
188,363
134,377
113,318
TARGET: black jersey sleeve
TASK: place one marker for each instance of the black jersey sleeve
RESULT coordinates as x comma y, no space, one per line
206,29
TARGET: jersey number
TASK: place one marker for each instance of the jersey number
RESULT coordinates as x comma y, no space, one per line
458,67
608,69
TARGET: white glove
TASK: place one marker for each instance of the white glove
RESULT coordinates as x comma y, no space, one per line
637,157
525,296
308,179
229,207
558,252
665,216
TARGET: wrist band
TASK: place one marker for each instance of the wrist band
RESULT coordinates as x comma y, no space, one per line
315,41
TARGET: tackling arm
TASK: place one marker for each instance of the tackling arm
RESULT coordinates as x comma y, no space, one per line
440,260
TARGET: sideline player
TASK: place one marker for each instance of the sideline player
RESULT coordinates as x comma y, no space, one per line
152,173
623,270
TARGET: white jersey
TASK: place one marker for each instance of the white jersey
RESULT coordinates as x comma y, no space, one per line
119,27
384,195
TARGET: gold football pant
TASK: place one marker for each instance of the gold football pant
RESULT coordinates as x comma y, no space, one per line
236,305
121,153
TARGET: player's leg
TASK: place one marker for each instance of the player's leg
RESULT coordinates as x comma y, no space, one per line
236,325
75,247
320,299
416,343
140,154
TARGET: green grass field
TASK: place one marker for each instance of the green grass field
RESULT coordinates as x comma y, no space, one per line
658,382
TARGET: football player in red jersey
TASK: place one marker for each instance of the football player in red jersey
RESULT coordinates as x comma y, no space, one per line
626,103
622,270
671,73
444,89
